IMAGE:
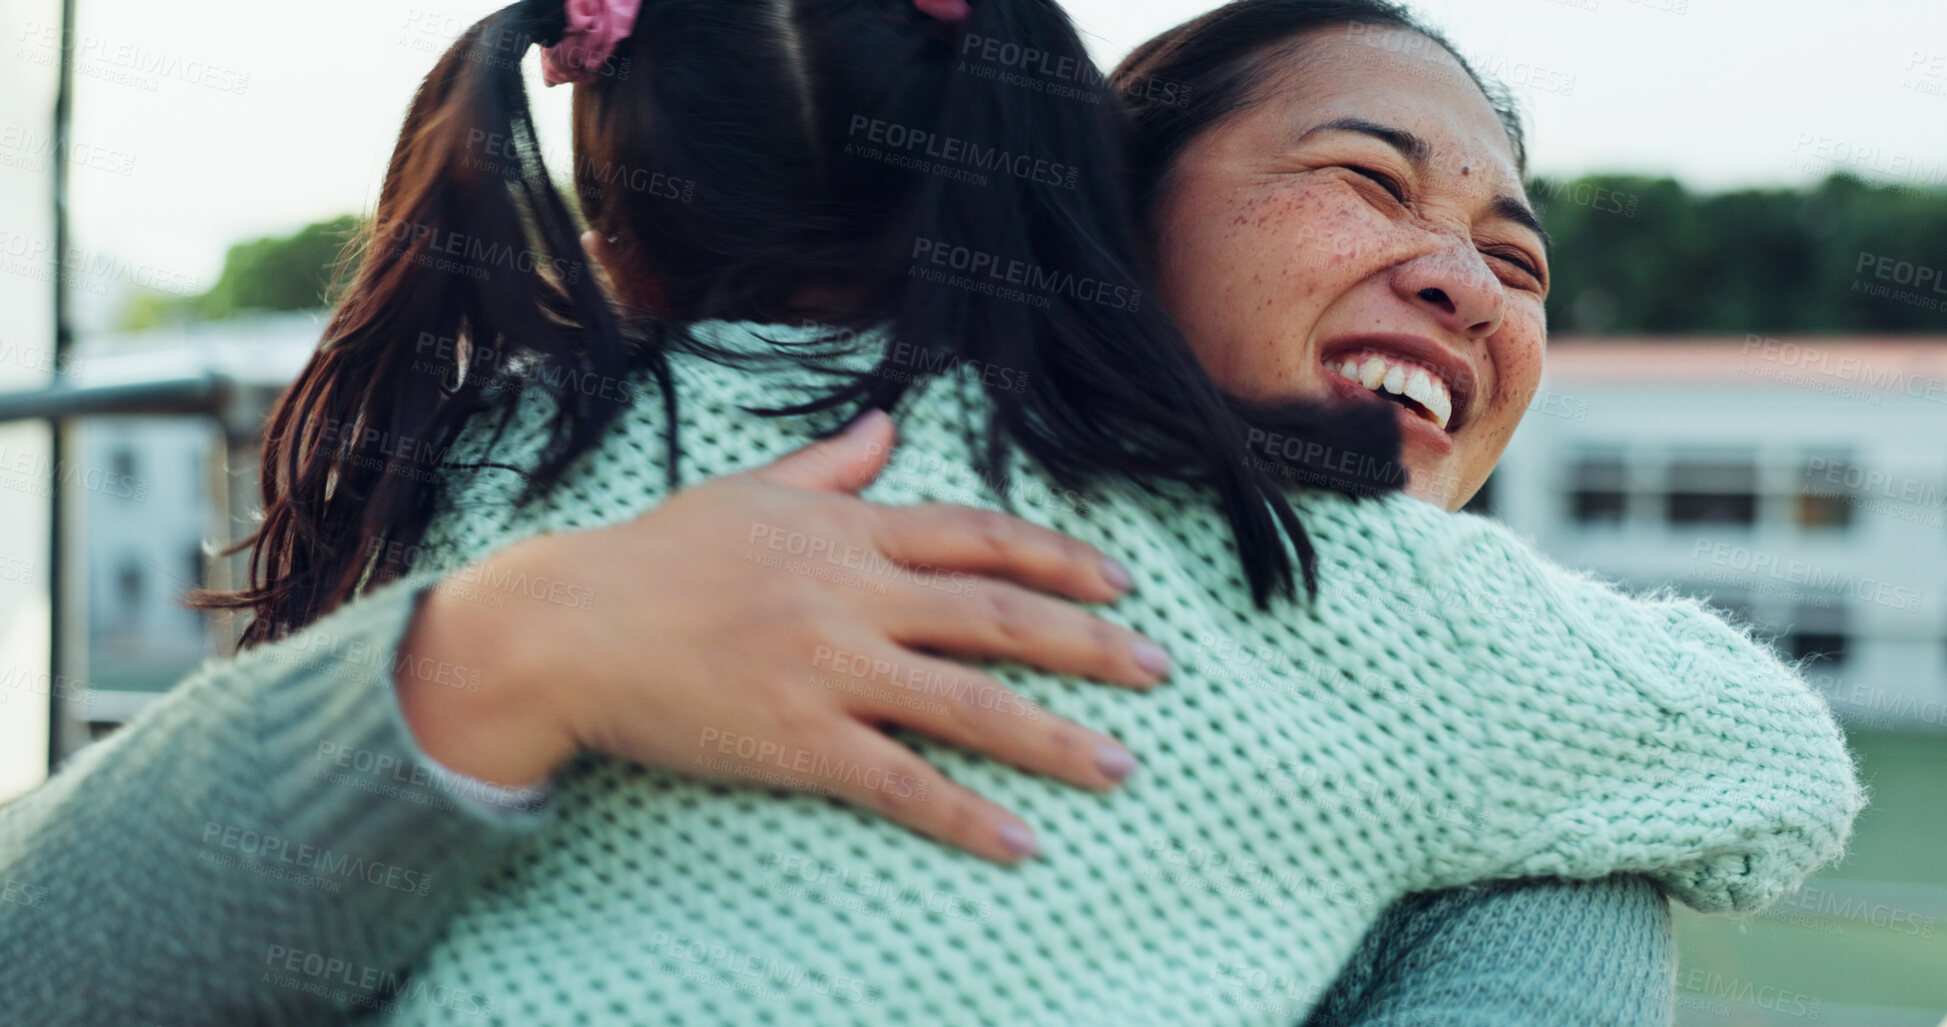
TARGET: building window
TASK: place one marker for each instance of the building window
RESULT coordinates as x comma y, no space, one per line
1821,511
1818,632
1713,491
1824,499
1597,488
123,460
128,587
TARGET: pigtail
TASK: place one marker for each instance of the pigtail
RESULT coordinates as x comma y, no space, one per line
470,277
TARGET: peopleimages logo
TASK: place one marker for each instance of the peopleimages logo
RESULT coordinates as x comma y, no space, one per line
1701,984
988,270
365,987
19,893
1901,273
1765,572
964,152
283,853
124,61
1058,75
34,473
421,243
963,691
928,361
1824,904
765,975
89,271
1844,366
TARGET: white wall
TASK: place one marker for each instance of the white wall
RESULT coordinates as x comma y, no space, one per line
1890,563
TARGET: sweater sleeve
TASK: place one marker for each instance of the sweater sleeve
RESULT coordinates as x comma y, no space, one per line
265,844
1647,734
1532,953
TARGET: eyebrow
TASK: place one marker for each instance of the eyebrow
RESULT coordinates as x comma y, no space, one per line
1412,147
1521,214
1419,154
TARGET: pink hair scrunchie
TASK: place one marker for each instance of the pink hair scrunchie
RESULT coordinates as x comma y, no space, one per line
595,28
950,11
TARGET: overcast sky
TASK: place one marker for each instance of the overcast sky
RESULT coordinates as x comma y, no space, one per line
203,122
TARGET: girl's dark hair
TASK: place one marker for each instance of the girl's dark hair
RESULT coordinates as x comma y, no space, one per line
848,162
1190,79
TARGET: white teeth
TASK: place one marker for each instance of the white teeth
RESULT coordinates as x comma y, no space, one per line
1401,379
1443,414
1423,389
1419,387
1440,406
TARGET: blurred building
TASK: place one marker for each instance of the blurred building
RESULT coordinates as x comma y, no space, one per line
156,497
145,548
1801,484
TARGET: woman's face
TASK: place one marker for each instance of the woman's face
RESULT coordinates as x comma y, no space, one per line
1362,233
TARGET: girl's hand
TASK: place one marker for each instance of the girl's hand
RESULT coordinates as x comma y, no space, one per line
765,627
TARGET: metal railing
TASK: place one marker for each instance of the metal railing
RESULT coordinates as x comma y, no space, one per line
236,403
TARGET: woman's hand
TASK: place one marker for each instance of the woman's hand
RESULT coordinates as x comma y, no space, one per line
764,627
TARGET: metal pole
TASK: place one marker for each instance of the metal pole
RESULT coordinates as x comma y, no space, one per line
60,666
204,392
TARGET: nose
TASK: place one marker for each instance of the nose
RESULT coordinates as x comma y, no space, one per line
1456,286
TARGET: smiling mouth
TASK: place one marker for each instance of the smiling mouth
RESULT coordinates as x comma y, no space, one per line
1417,387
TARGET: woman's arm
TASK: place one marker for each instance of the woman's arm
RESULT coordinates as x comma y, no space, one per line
1530,953
265,844
271,842
1644,733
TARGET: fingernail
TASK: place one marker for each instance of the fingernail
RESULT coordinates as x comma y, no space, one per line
1117,574
1114,761
1019,840
1151,657
858,423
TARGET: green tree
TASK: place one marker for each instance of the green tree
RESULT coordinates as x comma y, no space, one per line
290,272
1639,255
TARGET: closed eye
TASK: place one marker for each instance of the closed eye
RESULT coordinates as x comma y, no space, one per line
1519,261
1386,182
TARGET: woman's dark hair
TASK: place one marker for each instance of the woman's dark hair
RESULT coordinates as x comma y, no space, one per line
1190,79
847,162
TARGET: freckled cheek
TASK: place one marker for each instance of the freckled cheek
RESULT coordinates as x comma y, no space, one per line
1250,273
1517,355
1285,251
1308,222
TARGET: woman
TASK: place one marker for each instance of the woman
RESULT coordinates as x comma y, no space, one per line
595,788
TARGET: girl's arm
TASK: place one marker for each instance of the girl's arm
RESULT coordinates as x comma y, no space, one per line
1531,953
270,842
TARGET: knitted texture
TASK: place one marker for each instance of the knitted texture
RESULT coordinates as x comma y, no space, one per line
1451,709
1538,953
265,845
160,939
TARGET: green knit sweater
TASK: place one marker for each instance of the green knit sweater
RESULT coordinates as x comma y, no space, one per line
120,908
1451,709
